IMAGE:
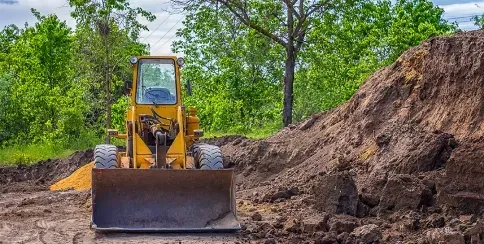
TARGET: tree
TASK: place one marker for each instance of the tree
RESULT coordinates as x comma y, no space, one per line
479,21
236,71
236,74
295,18
107,16
37,84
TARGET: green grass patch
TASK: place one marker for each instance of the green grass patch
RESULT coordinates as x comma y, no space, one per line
32,153
29,154
253,134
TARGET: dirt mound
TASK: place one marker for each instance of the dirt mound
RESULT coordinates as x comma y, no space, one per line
411,137
41,175
80,180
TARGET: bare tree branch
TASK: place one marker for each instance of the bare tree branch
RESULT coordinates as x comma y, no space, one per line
244,18
280,20
315,7
302,21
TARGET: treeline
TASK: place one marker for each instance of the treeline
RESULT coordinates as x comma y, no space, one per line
237,71
57,84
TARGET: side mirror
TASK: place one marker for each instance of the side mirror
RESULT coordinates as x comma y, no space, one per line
188,87
127,87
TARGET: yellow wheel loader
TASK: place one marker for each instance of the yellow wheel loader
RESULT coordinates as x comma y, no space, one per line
165,180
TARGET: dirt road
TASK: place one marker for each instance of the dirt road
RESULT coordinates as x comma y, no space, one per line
64,217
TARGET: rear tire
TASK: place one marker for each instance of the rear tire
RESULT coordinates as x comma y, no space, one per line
105,157
207,156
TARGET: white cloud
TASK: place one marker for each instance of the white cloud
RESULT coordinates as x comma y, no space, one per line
463,9
462,13
20,13
160,39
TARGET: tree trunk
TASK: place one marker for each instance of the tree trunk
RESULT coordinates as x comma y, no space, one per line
289,70
288,86
107,87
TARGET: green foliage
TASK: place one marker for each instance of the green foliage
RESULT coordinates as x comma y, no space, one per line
39,90
55,97
119,113
237,73
479,21
51,82
34,152
234,87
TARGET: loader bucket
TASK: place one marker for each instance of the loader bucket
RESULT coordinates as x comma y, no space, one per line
151,200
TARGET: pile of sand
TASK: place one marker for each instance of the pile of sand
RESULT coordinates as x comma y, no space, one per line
80,180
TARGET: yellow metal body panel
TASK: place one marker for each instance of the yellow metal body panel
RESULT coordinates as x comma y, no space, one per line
187,123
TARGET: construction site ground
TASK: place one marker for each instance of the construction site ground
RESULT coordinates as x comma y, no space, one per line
401,162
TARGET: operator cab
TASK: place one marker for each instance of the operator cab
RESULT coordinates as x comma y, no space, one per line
156,82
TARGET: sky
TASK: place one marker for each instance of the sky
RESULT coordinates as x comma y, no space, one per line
162,30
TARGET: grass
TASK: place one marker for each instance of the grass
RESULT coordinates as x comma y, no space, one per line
32,153
254,134
29,154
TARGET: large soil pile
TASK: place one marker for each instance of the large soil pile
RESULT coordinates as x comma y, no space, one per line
408,147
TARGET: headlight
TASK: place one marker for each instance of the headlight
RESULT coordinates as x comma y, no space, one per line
180,61
133,60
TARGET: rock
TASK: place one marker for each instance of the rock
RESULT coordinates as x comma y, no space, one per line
444,236
270,241
434,221
411,222
308,123
370,199
383,139
374,212
256,216
314,224
293,225
340,226
454,222
404,192
336,193
462,187
367,233
342,237
280,196
330,238
475,232
362,210
468,219
279,224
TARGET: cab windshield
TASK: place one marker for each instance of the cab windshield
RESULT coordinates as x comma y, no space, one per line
156,82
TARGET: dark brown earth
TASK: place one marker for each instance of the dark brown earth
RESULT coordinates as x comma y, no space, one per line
41,175
401,162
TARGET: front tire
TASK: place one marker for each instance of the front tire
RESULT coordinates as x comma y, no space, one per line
105,156
207,156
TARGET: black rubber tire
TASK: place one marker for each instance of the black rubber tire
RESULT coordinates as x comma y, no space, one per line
105,156
207,156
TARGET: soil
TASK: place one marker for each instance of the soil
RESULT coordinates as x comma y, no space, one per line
41,175
401,162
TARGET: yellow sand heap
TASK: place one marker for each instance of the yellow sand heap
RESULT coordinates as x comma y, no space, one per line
80,180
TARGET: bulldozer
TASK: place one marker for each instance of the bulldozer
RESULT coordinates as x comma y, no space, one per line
165,179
